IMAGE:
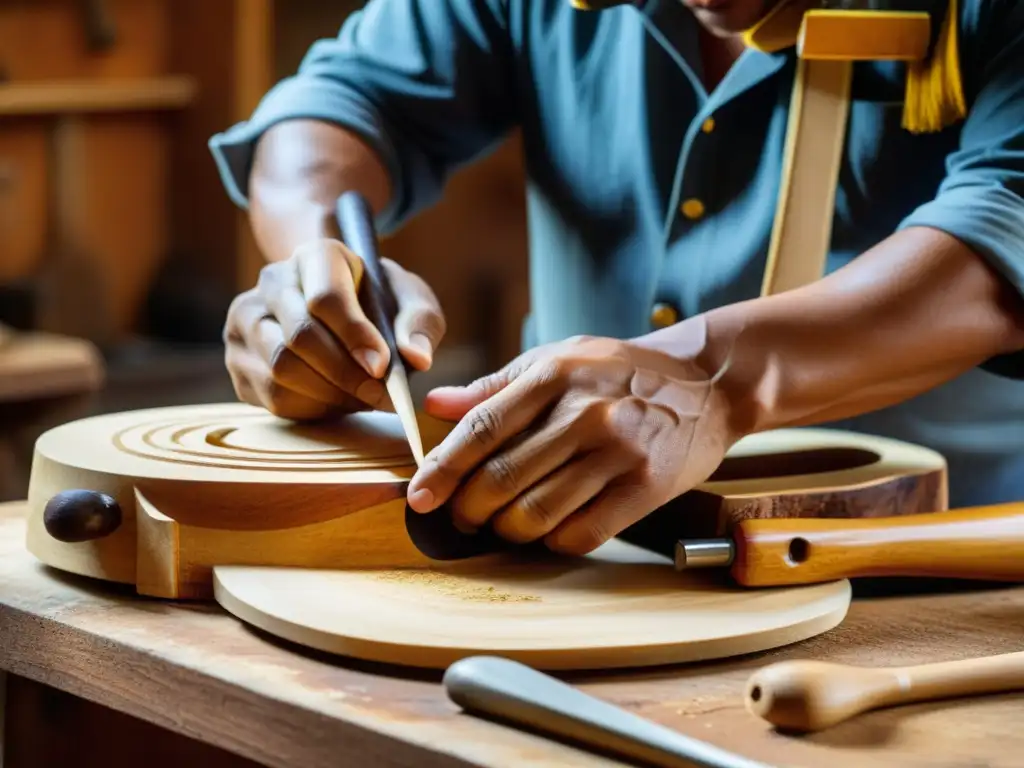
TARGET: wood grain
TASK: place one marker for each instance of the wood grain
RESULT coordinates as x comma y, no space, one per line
804,696
120,158
200,486
48,728
198,672
972,543
45,40
84,96
230,484
36,366
619,607
23,195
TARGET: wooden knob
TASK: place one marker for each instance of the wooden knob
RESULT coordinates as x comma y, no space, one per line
79,515
805,696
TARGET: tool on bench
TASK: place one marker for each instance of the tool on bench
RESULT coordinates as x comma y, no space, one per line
355,219
984,543
507,690
806,696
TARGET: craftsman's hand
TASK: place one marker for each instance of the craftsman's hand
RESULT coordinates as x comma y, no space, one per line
300,344
573,442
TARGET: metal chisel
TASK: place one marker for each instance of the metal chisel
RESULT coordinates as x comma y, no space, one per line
355,220
507,690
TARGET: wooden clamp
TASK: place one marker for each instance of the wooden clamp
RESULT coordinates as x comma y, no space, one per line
829,42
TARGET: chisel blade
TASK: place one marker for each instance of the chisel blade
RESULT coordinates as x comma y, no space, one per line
397,384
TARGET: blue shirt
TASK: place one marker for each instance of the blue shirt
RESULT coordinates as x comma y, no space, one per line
617,137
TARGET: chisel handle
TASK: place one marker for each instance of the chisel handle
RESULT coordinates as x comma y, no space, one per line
508,690
983,543
355,220
806,696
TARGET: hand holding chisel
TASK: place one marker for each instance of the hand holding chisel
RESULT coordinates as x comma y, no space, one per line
355,220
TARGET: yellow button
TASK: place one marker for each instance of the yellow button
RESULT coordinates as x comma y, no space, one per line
663,315
693,208
709,125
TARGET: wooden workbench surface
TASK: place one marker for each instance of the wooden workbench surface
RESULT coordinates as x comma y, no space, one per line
199,672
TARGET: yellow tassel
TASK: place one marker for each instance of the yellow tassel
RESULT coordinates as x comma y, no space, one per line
777,29
935,94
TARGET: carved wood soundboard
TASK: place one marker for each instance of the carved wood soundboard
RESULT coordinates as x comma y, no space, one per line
301,530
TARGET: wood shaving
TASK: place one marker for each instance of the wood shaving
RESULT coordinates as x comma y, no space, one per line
453,586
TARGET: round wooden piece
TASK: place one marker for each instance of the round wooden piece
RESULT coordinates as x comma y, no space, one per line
619,607
225,483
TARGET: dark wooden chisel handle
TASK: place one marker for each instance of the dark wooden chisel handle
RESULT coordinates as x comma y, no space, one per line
355,220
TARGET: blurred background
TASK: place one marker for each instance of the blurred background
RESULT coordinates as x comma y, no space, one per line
120,251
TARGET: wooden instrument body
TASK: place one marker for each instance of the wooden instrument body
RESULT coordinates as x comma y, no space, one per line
300,530
229,484
815,473
209,485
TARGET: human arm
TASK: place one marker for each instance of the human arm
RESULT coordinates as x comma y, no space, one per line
408,91
914,312
575,441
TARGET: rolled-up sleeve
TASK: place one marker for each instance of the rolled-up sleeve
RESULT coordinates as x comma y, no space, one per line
981,200
427,83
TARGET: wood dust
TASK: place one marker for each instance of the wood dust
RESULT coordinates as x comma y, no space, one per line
453,586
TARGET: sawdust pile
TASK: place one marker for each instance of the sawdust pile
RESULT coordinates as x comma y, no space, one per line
463,589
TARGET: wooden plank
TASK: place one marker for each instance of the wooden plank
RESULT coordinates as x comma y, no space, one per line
24,189
203,218
45,40
89,96
193,670
4,682
51,728
37,366
254,65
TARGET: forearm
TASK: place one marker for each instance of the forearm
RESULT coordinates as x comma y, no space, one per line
908,315
300,168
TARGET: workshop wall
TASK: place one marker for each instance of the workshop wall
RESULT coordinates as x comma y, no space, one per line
114,225
115,229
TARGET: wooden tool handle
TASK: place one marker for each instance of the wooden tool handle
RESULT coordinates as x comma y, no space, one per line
79,515
812,695
511,691
984,543
355,220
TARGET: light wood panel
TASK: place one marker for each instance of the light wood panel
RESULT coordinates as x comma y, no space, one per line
618,607
45,40
77,96
91,230
23,196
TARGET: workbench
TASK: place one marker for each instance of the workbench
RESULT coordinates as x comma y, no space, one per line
98,676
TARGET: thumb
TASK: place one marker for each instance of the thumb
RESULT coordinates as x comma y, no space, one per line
453,403
419,325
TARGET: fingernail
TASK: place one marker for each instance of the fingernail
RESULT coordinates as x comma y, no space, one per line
463,527
422,345
421,500
370,359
